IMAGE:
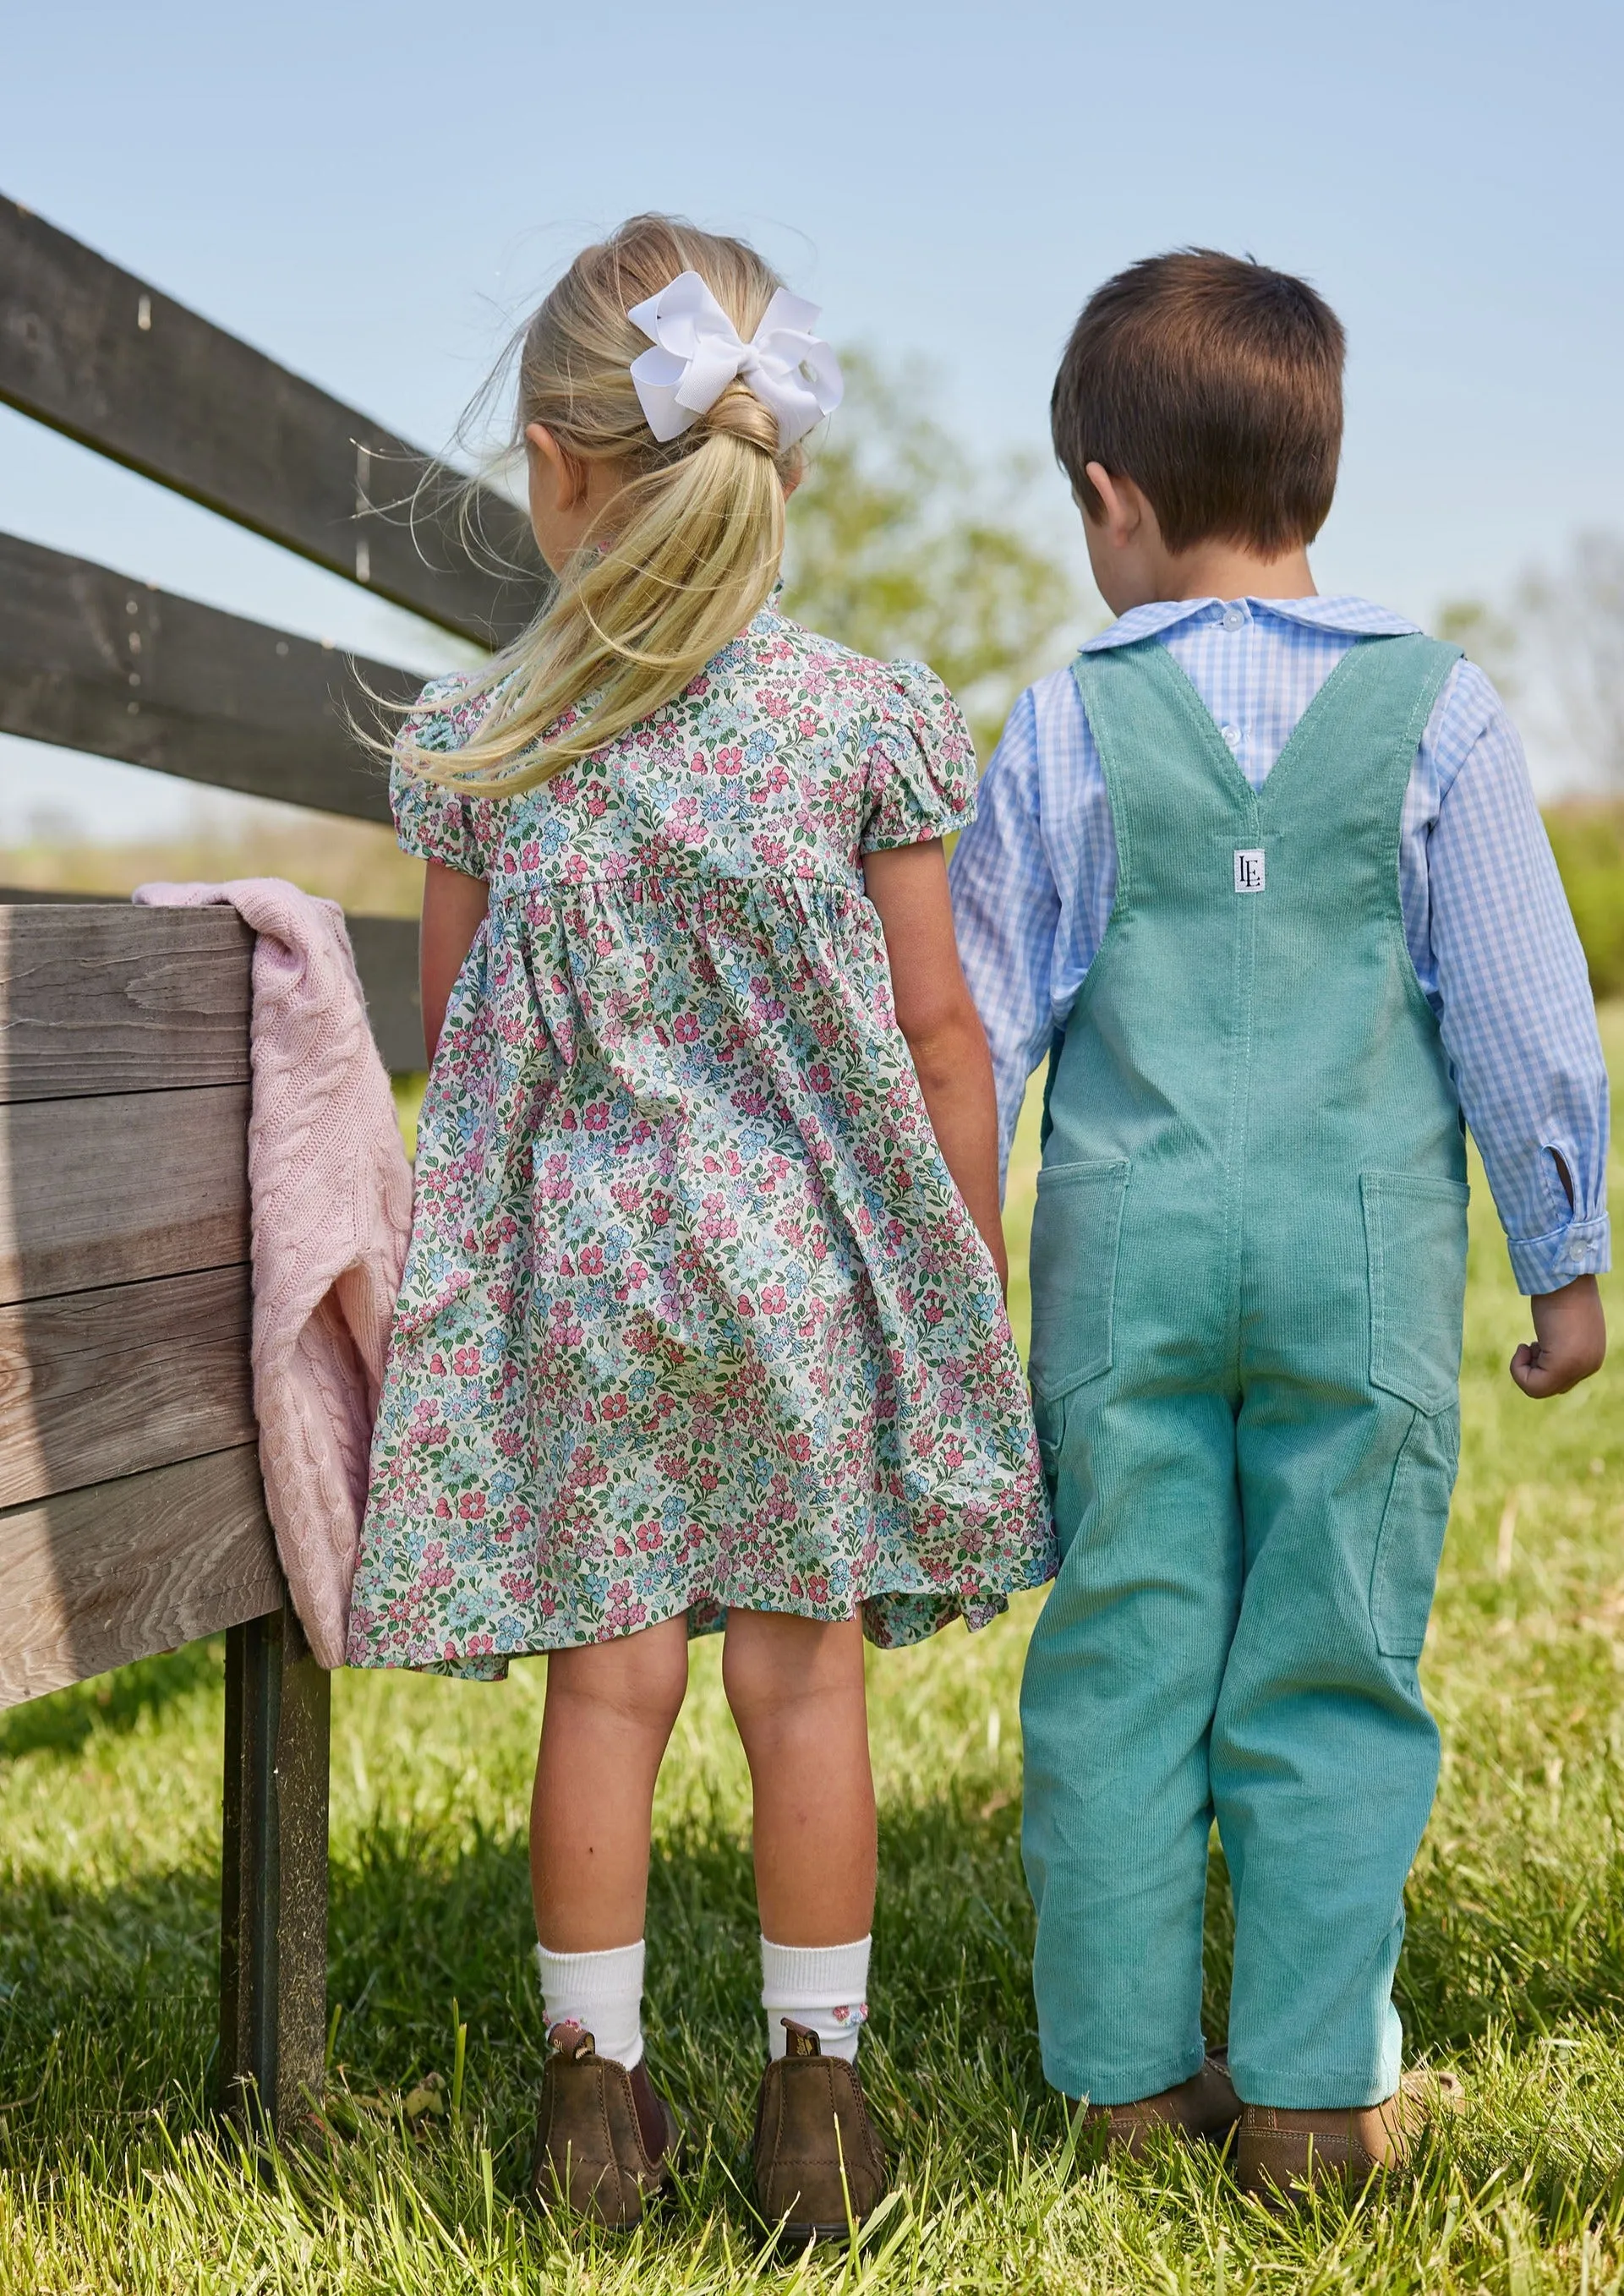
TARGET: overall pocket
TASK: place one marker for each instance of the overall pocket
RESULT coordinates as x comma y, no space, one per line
1076,1230
1411,1538
1416,1239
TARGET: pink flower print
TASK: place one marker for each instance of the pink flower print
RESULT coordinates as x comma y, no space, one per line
470,1507
646,939
717,1226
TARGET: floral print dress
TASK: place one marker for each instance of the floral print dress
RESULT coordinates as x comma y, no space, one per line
693,1315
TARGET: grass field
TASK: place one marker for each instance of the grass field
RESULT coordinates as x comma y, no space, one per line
113,2179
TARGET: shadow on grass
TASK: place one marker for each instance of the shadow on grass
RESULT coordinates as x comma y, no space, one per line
63,1723
108,2003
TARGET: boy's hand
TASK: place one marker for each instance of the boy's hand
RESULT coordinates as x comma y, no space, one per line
1569,1339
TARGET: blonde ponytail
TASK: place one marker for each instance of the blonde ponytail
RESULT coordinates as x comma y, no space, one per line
686,552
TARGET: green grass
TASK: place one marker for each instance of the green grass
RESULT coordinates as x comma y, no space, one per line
113,2178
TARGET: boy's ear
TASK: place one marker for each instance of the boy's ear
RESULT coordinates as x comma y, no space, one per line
1122,506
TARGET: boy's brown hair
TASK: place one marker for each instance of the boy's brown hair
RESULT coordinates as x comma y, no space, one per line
1216,385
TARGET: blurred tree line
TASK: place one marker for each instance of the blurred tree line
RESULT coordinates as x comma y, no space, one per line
898,546
1555,650
903,546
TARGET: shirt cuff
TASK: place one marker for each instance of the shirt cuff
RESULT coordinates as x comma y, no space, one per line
1545,1263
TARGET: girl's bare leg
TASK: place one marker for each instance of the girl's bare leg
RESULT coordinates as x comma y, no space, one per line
610,1713
796,1689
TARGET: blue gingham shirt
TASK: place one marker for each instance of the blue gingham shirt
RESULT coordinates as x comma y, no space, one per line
1485,917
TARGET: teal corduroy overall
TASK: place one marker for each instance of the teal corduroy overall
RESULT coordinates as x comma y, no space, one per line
1248,1267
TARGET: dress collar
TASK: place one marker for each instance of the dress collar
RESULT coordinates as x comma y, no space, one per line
1356,617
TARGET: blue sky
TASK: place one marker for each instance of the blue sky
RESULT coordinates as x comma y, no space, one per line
373,194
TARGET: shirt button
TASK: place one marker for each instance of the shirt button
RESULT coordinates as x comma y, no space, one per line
1234,616
1232,734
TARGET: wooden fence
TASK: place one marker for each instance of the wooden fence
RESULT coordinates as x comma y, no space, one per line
97,661
132,1517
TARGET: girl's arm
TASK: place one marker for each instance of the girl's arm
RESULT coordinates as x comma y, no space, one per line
452,910
909,885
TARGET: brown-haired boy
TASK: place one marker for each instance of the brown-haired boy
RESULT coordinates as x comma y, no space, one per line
1262,874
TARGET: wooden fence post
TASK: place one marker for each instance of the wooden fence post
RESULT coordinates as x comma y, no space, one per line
274,1878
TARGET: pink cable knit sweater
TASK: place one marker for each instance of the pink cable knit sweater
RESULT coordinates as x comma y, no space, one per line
331,1192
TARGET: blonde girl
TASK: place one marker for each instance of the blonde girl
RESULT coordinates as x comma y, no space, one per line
703,1324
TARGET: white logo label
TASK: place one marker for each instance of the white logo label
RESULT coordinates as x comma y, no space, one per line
1248,872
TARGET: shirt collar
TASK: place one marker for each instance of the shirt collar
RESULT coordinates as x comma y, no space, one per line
1357,617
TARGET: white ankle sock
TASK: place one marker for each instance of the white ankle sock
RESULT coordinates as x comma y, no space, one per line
820,1986
602,1991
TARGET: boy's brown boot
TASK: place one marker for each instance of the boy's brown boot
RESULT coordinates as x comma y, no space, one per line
1205,2106
1281,2155
818,2163
604,2138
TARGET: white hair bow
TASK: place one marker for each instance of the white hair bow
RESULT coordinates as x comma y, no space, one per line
697,353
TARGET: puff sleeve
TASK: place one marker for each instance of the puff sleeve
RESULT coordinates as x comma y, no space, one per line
921,763
436,823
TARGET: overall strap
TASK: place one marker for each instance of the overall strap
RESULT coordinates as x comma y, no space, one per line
1372,709
1173,783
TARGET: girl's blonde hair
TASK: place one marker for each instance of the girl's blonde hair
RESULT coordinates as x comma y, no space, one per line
682,554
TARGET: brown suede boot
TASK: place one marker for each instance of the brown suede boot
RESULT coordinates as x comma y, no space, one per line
604,2137
1281,2155
819,2166
1203,2107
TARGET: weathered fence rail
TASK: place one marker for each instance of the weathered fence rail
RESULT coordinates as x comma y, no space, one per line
132,1515
386,958
99,354
94,661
